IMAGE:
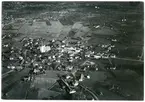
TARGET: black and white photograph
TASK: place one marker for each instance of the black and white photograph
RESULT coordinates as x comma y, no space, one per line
72,50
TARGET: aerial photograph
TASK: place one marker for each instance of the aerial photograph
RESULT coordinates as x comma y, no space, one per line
72,50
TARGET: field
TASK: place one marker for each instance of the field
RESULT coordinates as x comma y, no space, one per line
94,23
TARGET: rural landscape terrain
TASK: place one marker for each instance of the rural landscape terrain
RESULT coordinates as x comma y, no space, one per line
72,50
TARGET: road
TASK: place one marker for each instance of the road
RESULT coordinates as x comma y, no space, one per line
126,61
